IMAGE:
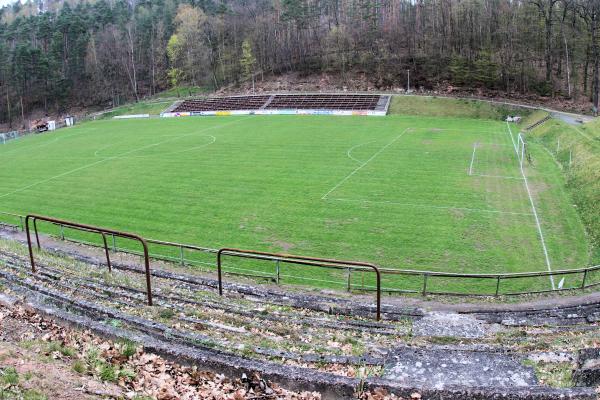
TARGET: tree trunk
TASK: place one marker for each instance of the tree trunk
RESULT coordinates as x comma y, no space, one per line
586,70
567,65
22,111
8,108
596,62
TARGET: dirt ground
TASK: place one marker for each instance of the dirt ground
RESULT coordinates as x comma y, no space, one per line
40,359
43,372
361,82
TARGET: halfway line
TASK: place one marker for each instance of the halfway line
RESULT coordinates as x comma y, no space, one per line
363,164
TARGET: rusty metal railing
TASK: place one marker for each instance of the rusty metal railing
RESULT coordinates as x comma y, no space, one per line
20,218
92,229
301,260
585,278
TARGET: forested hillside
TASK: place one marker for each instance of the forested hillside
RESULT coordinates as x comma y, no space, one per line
59,54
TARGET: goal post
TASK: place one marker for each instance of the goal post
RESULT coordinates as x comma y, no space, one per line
522,151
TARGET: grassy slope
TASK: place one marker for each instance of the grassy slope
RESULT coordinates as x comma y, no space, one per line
143,107
446,107
260,185
156,104
583,175
533,117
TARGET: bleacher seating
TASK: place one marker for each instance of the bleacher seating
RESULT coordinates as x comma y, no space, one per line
325,102
286,101
223,104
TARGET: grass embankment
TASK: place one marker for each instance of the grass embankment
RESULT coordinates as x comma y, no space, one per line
533,117
579,155
447,107
143,107
156,104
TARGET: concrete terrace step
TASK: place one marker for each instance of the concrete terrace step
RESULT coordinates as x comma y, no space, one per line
273,332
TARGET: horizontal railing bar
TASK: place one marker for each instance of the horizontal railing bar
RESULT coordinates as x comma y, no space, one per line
12,215
302,260
182,245
299,262
389,271
321,262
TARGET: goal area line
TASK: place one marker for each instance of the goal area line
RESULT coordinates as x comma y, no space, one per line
472,164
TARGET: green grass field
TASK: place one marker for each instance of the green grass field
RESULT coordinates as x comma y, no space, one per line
404,192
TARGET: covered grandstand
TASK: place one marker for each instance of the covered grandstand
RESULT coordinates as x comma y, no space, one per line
332,104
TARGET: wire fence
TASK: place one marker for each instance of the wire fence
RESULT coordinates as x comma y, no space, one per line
6,136
279,269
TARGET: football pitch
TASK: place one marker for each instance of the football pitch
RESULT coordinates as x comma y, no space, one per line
420,193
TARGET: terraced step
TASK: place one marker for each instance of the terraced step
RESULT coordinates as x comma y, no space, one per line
432,352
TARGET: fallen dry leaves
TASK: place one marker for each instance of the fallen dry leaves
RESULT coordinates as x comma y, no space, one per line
146,374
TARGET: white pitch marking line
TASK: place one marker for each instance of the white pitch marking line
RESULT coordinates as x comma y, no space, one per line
430,206
349,152
54,177
214,139
462,130
472,159
498,176
494,144
363,164
104,159
535,214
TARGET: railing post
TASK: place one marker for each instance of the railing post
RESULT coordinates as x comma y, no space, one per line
584,279
277,272
424,293
497,285
62,232
219,274
378,277
349,280
362,279
181,255
37,236
22,224
29,244
106,252
147,266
